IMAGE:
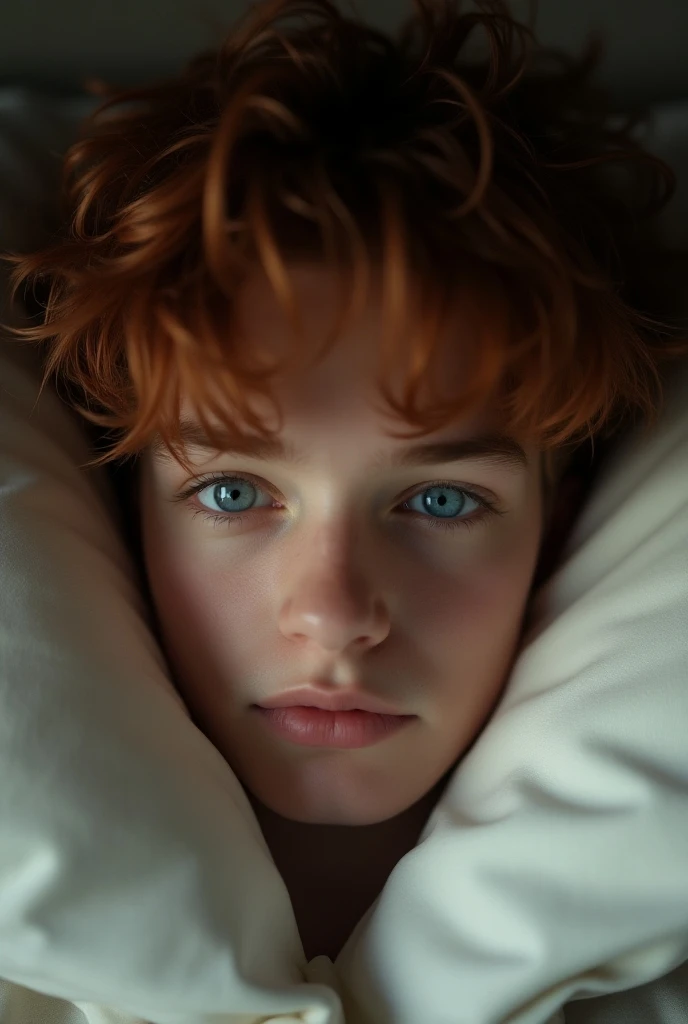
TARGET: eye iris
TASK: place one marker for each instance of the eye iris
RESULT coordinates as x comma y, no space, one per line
227,497
442,501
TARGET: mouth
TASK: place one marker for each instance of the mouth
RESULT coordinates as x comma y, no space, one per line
315,696
315,727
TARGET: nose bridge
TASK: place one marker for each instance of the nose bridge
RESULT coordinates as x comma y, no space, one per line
332,594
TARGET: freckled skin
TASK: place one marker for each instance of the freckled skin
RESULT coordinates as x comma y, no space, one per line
340,583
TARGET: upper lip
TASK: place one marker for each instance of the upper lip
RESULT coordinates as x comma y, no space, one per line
310,698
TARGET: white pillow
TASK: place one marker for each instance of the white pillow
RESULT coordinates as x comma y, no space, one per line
133,873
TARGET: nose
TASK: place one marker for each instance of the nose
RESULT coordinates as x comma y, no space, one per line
334,607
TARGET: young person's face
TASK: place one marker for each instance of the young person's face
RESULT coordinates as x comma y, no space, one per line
341,584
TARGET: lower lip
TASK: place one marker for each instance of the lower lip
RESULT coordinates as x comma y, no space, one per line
312,727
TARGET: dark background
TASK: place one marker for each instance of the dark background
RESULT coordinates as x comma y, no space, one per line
54,44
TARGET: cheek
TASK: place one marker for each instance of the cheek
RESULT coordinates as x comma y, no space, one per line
209,611
465,624
475,584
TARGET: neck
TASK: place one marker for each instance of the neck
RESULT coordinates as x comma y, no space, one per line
333,873
326,852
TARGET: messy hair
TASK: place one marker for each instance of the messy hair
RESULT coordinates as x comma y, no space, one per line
493,178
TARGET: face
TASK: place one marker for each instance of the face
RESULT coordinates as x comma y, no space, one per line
346,567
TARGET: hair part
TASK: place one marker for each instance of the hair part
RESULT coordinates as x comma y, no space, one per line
498,184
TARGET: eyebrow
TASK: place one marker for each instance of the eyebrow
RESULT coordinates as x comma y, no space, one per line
491,448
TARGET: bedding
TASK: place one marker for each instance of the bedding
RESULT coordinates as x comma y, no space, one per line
549,884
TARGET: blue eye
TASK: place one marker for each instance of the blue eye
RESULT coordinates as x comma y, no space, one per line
442,504
231,494
443,501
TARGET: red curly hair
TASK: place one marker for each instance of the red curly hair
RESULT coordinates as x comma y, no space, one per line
497,182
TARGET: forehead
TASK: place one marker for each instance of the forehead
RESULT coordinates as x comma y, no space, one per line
346,378
333,405
332,412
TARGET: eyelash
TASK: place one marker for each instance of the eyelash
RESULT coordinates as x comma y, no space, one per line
488,507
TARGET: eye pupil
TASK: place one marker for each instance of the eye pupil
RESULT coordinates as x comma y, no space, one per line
231,493
227,496
441,498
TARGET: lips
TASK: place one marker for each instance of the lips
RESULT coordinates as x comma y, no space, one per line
310,697
348,730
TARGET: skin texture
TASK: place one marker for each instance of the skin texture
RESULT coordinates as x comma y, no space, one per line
340,584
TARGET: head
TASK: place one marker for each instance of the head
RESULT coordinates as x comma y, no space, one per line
347,248
340,565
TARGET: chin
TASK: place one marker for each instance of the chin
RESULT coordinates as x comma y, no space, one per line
326,810
352,818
